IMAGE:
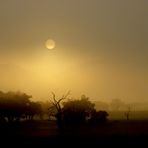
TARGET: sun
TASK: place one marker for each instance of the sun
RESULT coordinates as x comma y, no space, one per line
50,44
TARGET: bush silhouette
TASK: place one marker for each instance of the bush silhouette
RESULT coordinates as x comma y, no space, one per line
15,105
76,111
99,117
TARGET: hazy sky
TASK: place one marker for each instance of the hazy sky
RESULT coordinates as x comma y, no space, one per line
101,48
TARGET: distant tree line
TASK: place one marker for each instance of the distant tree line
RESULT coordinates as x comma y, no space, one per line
17,105
76,111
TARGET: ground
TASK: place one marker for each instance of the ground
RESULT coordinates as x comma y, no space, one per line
114,133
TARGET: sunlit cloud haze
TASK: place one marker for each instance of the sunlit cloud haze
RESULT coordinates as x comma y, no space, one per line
101,48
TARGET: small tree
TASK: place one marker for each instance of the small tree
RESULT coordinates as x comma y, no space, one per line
127,113
33,108
56,103
76,111
13,105
99,117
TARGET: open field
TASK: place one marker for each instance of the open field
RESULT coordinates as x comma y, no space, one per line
117,133
134,115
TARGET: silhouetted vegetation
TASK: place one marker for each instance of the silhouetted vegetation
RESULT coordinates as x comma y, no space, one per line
33,108
13,105
127,113
77,111
72,117
99,117
17,105
56,109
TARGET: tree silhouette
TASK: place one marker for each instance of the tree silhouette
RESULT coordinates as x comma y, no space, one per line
75,112
99,117
127,113
33,108
56,103
13,105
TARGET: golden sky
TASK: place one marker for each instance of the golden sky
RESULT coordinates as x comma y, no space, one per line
101,48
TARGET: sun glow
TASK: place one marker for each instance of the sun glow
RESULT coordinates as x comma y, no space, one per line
50,44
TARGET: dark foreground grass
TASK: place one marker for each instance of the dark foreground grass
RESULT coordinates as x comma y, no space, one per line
46,134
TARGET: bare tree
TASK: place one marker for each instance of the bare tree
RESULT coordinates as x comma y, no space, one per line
57,104
127,113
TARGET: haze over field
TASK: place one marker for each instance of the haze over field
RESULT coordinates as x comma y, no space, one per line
101,48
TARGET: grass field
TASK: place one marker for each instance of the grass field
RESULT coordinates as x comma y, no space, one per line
114,132
134,115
